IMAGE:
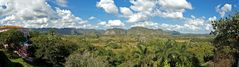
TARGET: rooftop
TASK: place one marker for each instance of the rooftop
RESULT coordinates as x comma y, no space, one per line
10,27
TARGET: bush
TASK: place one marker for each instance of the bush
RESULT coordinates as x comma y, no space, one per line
85,59
52,49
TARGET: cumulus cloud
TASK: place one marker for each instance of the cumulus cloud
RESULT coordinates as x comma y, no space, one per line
115,23
195,21
191,25
172,8
91,18
38,14
141,10
26,8
137,17
133,17
175,4
103,23
159,7
67,19
147,24
19,12
62,3
171,27
112,23
142,5
108,5
126,11
212,18
223,9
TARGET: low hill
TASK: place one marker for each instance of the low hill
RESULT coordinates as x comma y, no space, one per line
113,31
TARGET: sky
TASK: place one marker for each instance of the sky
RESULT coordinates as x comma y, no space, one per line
185,16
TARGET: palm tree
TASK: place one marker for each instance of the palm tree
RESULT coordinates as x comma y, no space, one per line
165,52
143,56
172,53
184,57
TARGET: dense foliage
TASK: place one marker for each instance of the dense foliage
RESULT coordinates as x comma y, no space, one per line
12,37
51,49
145,54
227,40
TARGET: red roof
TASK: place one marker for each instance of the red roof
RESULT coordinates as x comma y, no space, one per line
10,27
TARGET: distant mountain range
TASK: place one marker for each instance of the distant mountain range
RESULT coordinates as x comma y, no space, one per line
114,31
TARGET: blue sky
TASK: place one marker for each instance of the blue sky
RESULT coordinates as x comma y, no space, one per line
87,8
187,16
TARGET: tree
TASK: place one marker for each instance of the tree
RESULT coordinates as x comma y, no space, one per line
52,32
171,54
52,49
142,55
227,38
14,38
85,59
166,53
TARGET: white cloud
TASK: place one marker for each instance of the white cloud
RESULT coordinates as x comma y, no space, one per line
172,14
191,25
67,19
112,23
147,24
208,27
91,18
62,3
172,8
171,27
133,17
102,23
115,23
22,12
126,11
137,17
38,14
212,18
144,9
26,8
142,5
175,4
223,9
108,5
195,21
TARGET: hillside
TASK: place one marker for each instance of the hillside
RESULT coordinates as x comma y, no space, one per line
113,31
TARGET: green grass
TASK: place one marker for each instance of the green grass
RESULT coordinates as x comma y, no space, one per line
21,61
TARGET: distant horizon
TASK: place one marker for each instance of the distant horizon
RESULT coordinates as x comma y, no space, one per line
102,29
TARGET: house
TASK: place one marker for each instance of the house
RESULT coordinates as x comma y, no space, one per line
22,50
6,28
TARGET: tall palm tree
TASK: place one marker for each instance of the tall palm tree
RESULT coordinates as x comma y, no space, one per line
143,56
165,52
172,53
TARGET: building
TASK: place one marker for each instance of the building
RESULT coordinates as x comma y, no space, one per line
6,28
22,50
